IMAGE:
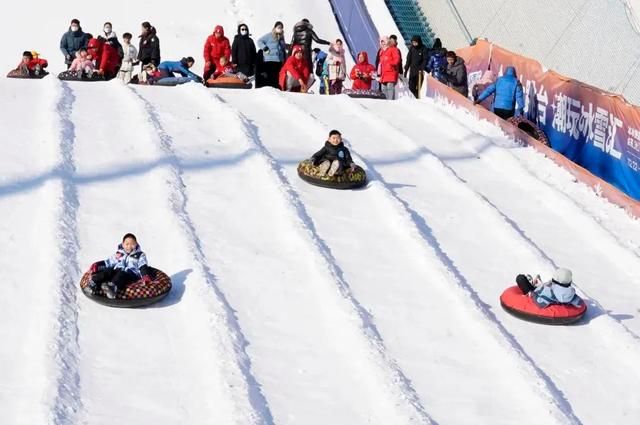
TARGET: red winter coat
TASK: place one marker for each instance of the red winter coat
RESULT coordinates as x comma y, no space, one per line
105,55
362,73
389,65
298,68
35,62
215,48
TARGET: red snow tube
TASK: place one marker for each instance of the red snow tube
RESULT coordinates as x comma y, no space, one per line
137,294
228,82
523,307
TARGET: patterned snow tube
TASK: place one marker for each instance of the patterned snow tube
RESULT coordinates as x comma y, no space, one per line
17,74
522,306
228,82
348,180
73,76
530,128
364,94
136,294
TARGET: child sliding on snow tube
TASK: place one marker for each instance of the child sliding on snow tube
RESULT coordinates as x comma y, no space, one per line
31,65
127,265
558,291
334,157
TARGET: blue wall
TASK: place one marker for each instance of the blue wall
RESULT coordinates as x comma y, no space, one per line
356,25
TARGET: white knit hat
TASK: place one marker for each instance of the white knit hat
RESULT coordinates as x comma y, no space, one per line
563,276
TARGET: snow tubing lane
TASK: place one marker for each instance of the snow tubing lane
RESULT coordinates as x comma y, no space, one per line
17,74
523,307
73,76
349,180
530,128
365,94
224,82
136,294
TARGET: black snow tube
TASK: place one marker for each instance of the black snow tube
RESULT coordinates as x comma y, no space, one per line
530,128
73,76
136,294
348,180
17,74
365,94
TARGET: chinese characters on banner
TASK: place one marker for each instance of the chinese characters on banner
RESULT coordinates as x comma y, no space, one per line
595,129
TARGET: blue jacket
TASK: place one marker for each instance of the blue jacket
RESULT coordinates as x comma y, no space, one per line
71,42
169,68
135,262
321,59
508,92
554,293
276,49
438,65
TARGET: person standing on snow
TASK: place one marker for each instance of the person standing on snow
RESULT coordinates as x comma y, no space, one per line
363,73
509,96
149,48
112,38
216,46
416,63
72,41
243,51
437,65
304,35
395,39
457,74
274,53
389,64
129,60
319,58
336,67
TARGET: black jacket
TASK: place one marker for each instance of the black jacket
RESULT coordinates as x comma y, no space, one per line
331,153
149,49
304,34
416,59
243,52
457,76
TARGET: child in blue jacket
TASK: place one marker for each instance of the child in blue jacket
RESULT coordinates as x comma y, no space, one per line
559,290
127,265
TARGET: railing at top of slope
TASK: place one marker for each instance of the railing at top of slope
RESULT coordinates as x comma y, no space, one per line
411,20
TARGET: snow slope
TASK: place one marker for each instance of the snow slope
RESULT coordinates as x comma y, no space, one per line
294,304
182,29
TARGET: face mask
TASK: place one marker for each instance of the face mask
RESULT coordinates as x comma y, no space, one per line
243,32
74,28
107,30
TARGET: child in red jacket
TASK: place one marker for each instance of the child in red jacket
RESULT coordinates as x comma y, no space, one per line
363,73
226,68
31,65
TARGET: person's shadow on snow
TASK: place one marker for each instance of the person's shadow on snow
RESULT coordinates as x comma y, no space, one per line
177,290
